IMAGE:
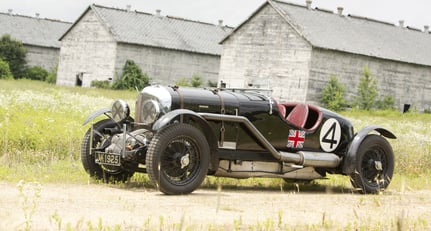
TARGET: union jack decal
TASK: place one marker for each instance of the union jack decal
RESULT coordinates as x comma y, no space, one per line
296,139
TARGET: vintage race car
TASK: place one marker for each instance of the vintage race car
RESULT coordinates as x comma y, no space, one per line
180,135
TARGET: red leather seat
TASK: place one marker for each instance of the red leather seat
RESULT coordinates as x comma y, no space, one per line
282,110
304,116
298,116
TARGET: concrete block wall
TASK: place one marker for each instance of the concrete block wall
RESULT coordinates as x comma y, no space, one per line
166,66
88,49
266,52
46,57
407,83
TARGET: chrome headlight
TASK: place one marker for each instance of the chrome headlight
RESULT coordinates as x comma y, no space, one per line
150,111
120,110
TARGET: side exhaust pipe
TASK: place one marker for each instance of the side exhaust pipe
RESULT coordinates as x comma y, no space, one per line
312,159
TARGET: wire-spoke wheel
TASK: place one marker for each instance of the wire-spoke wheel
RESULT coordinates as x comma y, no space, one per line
374,165
178,159
101,138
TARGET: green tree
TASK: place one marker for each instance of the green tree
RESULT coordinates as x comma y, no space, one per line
333,95
367,91
5,72
132,78
13,52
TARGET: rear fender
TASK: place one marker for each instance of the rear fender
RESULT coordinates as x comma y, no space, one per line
97,113
184,115
350,158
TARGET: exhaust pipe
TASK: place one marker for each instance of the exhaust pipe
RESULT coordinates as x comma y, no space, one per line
312,159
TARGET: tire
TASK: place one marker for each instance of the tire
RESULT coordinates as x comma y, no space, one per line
374,165
88,161
177,159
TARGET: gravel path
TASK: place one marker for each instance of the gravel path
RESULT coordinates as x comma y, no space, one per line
108,207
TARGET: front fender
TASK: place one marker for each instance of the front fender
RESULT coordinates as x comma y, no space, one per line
96,114
168,117
200,121
350,158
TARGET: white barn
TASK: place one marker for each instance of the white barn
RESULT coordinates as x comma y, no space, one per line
100,41
38,35
294,49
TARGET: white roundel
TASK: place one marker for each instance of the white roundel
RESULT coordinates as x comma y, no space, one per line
330,135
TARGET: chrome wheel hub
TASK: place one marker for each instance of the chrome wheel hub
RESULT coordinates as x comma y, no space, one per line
185,161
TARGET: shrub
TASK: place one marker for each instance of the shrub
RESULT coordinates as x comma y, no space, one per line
196,81
367,91
103,84
36,73
52,76
132,78
14,53
386,103
5,72
212,83
183,82
333,95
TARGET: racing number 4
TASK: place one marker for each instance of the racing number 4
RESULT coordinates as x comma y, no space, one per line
330,135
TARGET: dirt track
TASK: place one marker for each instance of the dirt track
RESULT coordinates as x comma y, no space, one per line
81,207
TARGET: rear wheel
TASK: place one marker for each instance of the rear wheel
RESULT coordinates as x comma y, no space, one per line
178,159
101,138
374,165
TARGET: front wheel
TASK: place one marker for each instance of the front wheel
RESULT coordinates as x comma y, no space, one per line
101,137
177,159
374,165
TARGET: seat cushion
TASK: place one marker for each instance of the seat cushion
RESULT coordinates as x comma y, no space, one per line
298,115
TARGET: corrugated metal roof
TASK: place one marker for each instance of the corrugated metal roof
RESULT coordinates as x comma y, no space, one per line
353,34
162,31
358,35
33,31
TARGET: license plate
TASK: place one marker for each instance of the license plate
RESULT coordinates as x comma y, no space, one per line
108,158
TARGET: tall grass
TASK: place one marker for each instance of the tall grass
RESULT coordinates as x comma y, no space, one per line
41,124
41,132
412,147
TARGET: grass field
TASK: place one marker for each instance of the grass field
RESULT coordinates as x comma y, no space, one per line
41,127
41,131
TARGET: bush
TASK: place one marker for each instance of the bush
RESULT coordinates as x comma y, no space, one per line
103,84
195,81
5,72
367,91
52,76
183,82
36,73
212,83
333,95
132,78
387,103
14,53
